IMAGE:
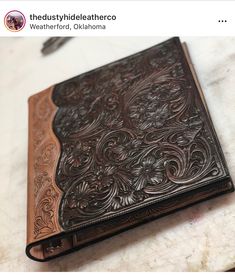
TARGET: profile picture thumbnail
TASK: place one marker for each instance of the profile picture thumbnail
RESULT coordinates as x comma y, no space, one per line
14,21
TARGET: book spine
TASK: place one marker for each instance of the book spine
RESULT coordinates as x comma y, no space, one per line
43,154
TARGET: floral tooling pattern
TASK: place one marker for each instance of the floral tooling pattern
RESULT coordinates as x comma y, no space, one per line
132,132
45,193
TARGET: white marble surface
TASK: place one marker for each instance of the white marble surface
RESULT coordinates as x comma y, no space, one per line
200,238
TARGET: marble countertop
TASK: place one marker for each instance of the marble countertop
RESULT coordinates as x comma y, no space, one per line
200,238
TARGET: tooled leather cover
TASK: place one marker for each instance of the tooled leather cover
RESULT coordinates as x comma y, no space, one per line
132,133
123,137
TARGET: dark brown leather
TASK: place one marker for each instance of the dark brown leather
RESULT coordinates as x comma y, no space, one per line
133,141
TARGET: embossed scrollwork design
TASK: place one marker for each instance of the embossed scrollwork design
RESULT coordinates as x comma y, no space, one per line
131,132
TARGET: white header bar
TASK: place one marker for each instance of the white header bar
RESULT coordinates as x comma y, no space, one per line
117,18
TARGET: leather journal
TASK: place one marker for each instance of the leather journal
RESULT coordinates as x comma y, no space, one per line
117,146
